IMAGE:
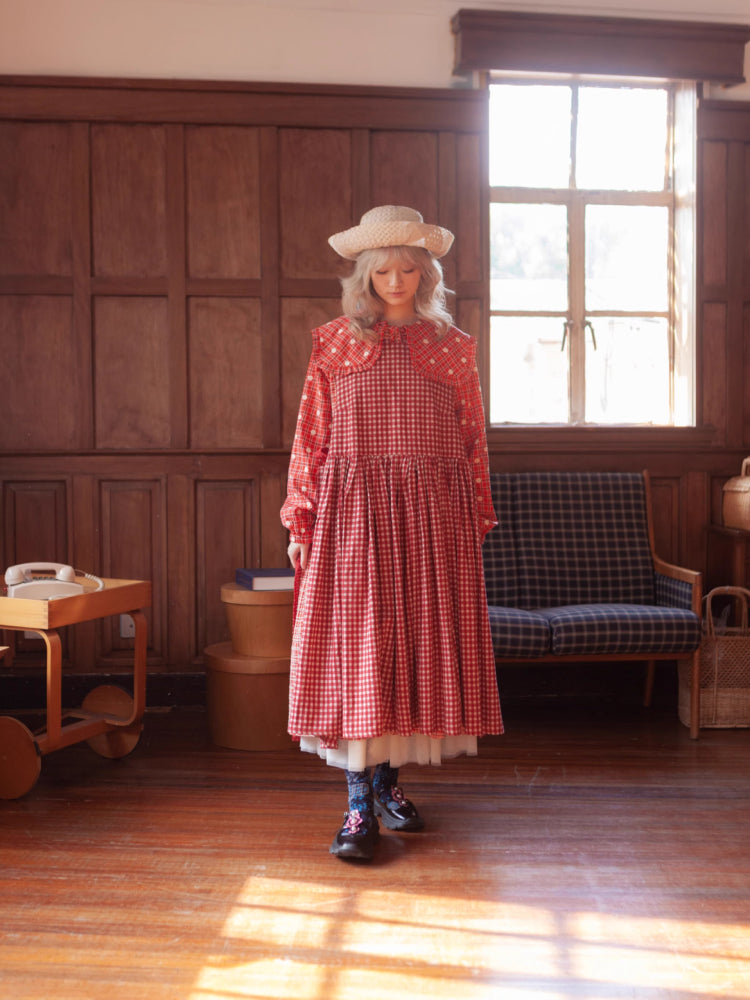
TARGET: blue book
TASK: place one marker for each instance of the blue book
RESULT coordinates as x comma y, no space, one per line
265,579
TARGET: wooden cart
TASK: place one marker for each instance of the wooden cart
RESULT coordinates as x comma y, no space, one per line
109,719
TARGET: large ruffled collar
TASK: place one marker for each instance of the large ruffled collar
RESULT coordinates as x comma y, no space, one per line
450,360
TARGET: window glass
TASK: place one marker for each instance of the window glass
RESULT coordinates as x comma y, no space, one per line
621,139
528,257
627,371
627,257
592,206
530,130
529,370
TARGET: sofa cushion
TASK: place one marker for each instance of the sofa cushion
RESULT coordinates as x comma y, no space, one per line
622,628
499,549
519,633
582,538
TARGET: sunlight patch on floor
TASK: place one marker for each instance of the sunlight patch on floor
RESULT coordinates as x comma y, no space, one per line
334,942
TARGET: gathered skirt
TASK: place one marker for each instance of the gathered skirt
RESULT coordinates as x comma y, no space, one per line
392,651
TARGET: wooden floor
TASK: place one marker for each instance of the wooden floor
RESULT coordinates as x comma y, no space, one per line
581,855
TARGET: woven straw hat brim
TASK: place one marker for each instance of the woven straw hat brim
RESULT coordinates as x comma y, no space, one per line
391,233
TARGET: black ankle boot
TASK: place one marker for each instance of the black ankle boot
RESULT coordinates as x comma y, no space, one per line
358,835
390,803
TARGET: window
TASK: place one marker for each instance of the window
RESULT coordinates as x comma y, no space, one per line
591,222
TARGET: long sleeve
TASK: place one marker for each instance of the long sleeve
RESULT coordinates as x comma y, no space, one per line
470,412
308,454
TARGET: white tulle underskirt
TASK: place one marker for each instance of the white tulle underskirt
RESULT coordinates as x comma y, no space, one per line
356,755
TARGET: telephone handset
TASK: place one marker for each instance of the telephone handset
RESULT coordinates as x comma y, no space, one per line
43,581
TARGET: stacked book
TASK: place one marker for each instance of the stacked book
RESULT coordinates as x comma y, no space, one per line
265,579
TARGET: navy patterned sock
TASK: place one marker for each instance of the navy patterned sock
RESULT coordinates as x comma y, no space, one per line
359,784
383,780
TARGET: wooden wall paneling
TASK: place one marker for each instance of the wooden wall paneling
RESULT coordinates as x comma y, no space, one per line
695,512
361,164
40,381
472,208
35,529
132,372
665,506
404,170
273,536
134,547
181,569
85,546
227,538
36,182
714,365
744,281
448,197
736,242
236,103
298,318
724,266
128,185
716,494
82,317
270,241
315,198
469,317
177,292
36,522
227,377
190,225
223,202
712,248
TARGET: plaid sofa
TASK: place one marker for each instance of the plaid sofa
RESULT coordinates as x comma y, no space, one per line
571,573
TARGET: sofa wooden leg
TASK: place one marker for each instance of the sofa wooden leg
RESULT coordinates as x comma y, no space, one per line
648,687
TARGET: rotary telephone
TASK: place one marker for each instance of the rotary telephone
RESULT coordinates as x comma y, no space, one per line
45,581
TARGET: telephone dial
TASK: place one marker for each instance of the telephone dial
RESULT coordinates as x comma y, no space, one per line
42,581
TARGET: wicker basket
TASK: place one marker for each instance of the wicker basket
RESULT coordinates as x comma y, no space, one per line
724,669
735,501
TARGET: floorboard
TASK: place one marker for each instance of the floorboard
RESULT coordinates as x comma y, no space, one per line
588,853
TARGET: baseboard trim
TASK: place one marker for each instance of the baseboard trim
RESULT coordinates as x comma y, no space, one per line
26,691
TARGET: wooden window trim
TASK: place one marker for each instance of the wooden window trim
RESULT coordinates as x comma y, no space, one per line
606,440
611,46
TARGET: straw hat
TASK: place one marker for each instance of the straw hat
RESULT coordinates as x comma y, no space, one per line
391,226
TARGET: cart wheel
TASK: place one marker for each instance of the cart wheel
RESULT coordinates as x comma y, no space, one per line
120,740
20,760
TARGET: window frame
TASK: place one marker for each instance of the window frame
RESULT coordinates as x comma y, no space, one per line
576,200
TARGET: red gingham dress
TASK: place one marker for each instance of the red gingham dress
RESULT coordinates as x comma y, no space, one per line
389,480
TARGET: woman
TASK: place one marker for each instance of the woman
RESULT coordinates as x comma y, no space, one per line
388,503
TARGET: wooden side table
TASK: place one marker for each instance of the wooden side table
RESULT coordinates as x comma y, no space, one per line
109,719
727,557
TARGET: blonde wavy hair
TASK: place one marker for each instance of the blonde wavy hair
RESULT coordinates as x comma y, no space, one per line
364,308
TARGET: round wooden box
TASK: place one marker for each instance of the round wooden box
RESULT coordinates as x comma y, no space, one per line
247,679
247,698
260,621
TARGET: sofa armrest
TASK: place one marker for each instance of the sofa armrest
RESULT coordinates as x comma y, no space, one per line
677,587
